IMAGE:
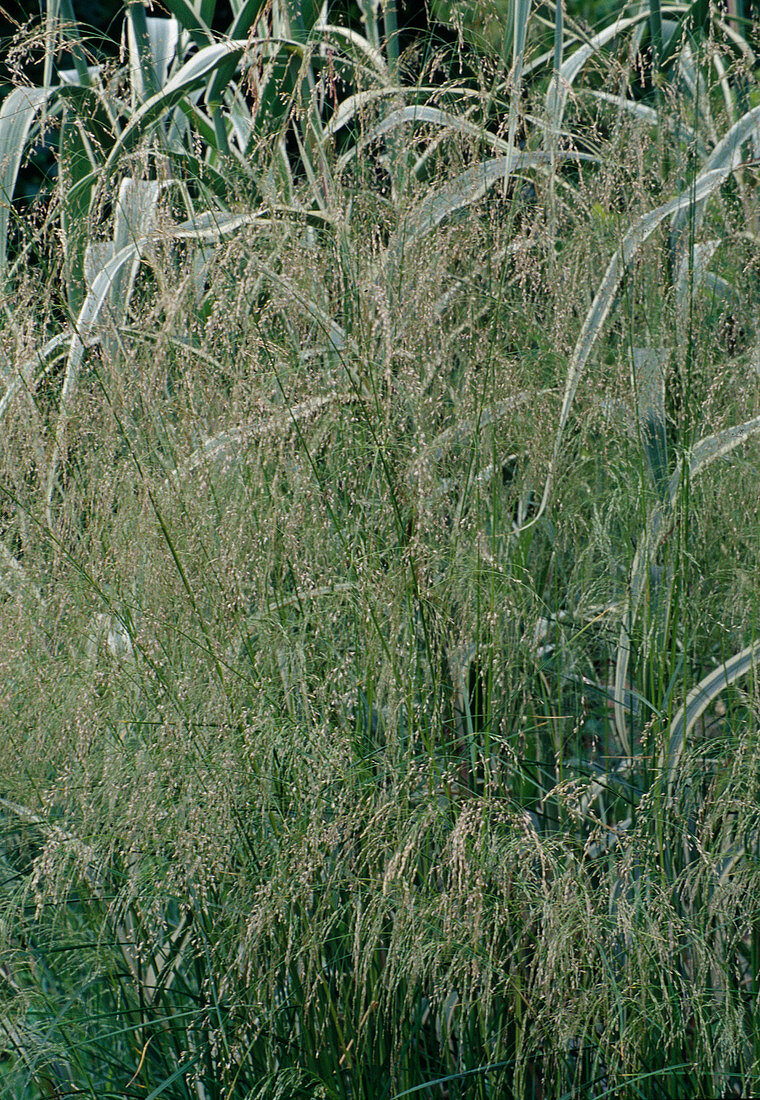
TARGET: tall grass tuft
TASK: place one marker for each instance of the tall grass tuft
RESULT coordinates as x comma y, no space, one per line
378,557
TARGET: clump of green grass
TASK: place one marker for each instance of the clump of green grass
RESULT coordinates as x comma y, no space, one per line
378,566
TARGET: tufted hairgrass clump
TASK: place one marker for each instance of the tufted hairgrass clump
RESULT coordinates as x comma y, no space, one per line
379,621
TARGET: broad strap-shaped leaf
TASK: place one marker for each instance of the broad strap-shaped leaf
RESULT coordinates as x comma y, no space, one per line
60,13
110,287
78,163
726,157
521,15
17,115
654,118
422,113
144,80
692,269
17,118
353,106
559,88
163,35
704,185
369,14
193,73
716,446
358,49
464,190
228,444
24,375
707,450
697,702
119,272
86,325
648,366
152,46
191,17
134,218
178,93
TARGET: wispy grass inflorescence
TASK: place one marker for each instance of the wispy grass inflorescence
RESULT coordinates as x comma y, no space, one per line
378,555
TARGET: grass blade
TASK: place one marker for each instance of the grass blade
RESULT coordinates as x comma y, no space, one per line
17,116
707,450
697,702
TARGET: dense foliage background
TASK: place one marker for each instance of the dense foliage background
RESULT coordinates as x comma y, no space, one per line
379,415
